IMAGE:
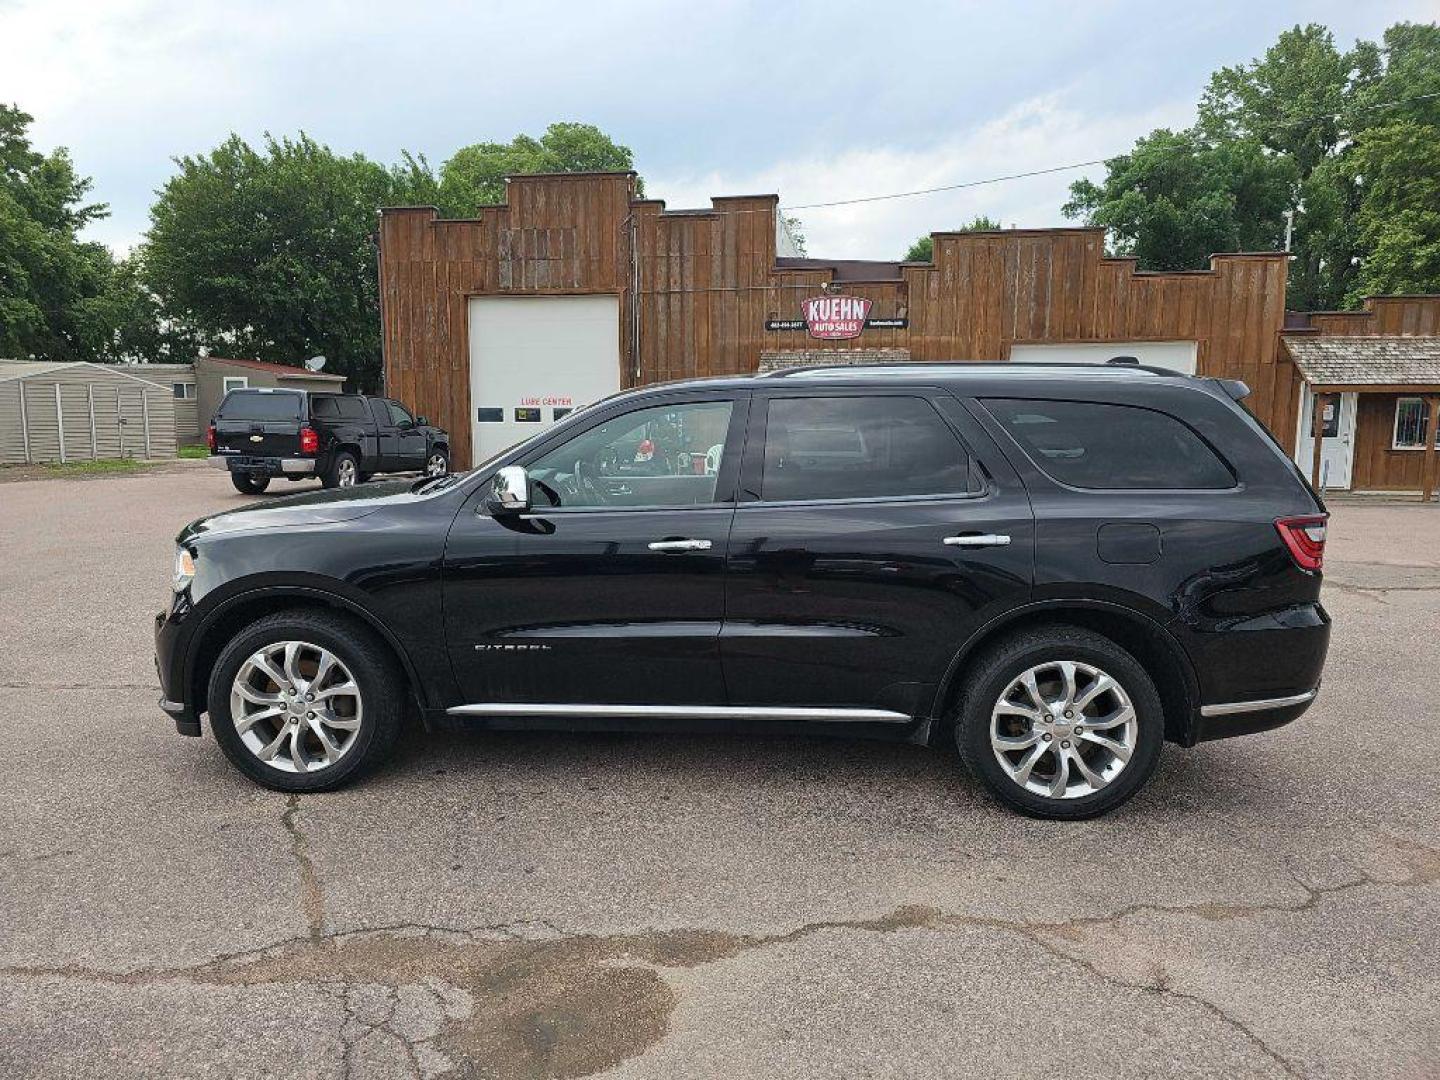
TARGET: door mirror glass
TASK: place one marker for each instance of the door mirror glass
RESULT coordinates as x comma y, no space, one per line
422,421
510,490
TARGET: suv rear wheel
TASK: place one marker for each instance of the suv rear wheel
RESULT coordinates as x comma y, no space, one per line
303,701
248,483
344,472
1060,723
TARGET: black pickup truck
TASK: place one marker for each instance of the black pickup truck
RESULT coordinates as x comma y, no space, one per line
344,439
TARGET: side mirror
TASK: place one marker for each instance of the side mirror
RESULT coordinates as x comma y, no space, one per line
510,490
422,421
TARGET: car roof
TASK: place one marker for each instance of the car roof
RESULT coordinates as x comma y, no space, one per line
973,376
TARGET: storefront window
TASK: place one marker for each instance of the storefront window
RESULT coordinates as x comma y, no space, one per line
1411,420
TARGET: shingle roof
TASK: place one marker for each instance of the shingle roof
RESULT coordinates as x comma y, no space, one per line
1369,360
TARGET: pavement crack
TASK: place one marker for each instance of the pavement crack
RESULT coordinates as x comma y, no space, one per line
312,896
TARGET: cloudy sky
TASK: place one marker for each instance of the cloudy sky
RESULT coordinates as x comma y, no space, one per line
817,101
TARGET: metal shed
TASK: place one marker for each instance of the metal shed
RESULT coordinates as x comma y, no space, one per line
80,412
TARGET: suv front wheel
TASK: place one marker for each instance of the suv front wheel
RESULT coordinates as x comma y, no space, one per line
1060,723
304,700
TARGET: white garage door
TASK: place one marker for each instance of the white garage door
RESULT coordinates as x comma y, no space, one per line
1174,355
535,358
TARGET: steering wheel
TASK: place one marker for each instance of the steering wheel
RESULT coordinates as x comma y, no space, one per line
585,485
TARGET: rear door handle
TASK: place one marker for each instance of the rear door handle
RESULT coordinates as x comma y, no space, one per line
977,540
679,545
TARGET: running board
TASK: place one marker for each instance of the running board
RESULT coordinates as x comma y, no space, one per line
684,712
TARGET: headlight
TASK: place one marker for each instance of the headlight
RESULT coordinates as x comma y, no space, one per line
184,570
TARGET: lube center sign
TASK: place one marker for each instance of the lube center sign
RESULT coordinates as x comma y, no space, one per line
834,318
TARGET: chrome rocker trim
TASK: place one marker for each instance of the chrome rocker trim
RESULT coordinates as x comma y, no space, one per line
1230,708
683,712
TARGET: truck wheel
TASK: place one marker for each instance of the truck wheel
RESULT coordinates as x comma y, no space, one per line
343,471
1060,722
305,700
248,483
438,463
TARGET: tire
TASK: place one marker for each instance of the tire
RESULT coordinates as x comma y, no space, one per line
438,462
371,722
344,471
249,484
995,681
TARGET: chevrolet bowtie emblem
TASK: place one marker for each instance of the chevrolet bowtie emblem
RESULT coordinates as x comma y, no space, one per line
257,438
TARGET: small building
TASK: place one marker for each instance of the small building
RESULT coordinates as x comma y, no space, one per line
198,387
574,288
1376,373
81,412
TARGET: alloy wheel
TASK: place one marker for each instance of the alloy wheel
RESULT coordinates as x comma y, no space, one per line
435,466
296,706
1063,729
346,473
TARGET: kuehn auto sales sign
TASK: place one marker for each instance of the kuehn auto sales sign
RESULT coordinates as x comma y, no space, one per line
835,318
832,318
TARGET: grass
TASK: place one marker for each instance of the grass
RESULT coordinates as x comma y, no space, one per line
103,465
201,451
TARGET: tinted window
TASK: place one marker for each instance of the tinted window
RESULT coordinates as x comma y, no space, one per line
1090,445
256,405
859,448
667,455
399,415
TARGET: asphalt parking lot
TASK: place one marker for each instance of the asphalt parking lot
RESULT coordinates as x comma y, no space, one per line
554,905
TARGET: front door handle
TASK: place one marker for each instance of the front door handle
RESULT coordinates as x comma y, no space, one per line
978,540
680,545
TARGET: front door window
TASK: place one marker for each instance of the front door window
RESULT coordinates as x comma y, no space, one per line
667,455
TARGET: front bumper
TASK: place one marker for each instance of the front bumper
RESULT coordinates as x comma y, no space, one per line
169,668
263,466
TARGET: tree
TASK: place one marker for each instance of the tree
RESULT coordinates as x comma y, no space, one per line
53,286
474,176
923,249
269,253
1394,165
1176,198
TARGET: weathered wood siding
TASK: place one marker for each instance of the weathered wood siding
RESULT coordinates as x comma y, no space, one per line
704,283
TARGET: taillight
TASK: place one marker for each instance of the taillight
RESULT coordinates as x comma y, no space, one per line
309,441
1305,537
210,438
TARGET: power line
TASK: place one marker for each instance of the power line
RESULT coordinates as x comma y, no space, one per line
1062,168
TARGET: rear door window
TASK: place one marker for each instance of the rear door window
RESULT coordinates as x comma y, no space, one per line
257,405
1089,444
826,448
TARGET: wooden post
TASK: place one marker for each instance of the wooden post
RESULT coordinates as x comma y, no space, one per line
1317,428
1427,467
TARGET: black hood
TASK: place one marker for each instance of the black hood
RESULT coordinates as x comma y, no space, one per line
309,508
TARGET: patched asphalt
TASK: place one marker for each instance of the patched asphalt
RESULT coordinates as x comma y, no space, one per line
556,905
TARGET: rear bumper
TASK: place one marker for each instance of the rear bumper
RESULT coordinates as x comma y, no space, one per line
263,466
1225,720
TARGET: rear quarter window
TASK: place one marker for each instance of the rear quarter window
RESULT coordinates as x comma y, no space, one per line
256,405
1090,444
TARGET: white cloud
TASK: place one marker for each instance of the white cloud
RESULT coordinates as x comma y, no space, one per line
1037,134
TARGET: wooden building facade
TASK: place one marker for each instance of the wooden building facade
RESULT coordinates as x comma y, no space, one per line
702,292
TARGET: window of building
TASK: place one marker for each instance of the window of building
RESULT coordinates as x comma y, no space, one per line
1412,417
1092,445
236,382
666,455
859,448
184,391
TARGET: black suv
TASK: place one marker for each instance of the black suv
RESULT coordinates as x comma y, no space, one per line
344,439
1056,567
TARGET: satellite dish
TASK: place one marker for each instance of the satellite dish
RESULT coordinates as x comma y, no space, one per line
315,363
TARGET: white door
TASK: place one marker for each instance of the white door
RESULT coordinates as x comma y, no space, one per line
1171,355
535,358
1337,440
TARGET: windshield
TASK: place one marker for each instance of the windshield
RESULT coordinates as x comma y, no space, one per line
256,405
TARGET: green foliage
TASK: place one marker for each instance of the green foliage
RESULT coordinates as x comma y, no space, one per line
1175,199
1306,128
923,249
54,302
270,253
474,176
